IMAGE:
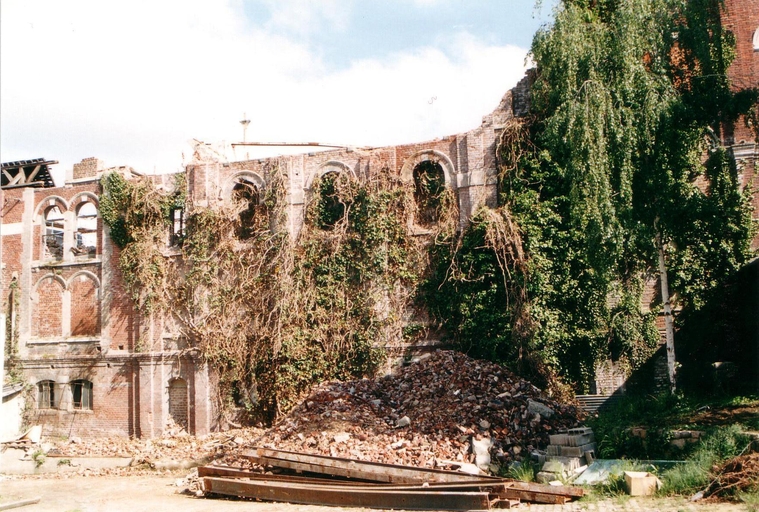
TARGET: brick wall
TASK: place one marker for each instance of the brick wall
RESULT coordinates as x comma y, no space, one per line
47,321
85,306
87,168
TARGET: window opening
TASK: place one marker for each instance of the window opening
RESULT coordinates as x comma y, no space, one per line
177,226
178,405
330,209
46,395
756,40
245,196
429,185
52,240
86,230
81,394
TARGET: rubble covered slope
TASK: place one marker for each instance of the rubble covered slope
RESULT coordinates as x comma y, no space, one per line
428,414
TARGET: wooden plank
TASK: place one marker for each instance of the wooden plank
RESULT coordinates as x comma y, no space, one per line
348,497
533,497
18,504
474,485
564,490
373,471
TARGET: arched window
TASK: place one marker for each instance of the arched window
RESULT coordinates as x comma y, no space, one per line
81,394
245,197
329,208
429,185
86,230
52,239
756,40
46,398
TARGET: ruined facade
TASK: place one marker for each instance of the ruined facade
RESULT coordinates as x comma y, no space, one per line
96,367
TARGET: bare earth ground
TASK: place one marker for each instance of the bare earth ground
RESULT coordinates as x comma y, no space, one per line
159,493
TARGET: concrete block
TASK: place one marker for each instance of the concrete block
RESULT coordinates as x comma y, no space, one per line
558,439
567,463
579,439
553,449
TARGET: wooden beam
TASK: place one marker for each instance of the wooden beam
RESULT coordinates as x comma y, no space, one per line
372,471
34,173
470,486
347,496
564,490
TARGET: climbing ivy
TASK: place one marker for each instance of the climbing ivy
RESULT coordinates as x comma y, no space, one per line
626,98
272,314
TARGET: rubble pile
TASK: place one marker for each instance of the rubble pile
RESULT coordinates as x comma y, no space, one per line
174,445
445,409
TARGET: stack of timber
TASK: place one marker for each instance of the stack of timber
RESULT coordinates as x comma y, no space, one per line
334,481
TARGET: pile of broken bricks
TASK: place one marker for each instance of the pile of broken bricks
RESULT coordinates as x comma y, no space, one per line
445,410
568,455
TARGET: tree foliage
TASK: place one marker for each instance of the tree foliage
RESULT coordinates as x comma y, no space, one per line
626,103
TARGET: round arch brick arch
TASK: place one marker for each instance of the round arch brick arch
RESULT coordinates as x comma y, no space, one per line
84,290
326,168
429,155
47,307
251,177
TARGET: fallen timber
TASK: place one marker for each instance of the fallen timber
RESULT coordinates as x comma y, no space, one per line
353,483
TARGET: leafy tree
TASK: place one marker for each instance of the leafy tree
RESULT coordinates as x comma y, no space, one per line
627,101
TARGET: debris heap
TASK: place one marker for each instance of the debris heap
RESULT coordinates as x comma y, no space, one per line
444,409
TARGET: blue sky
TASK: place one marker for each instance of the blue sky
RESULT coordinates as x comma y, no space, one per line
133,82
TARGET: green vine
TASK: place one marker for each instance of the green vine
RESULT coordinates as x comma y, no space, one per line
271,314
625,96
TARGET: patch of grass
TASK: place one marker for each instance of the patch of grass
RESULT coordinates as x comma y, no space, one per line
695,475
39,458
523,471
659,414
750,499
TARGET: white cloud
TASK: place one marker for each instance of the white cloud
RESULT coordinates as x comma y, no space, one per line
131,82
303,17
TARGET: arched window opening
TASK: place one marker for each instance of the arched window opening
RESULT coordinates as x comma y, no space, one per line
245,196
178,405
429,186
330,207
81,395
86,230
46,398
52,239
756,40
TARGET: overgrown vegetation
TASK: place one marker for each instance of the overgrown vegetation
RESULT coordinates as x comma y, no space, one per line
616,166
627,100
272,315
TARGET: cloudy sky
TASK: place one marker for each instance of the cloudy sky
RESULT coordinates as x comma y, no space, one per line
133,82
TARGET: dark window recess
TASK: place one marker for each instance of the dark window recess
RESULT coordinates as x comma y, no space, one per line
330,209
245,196
81,394
46,395
429,185
177,226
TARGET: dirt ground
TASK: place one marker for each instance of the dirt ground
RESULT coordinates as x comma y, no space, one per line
159,493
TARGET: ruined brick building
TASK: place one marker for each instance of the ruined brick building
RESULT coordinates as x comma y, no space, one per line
96,367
